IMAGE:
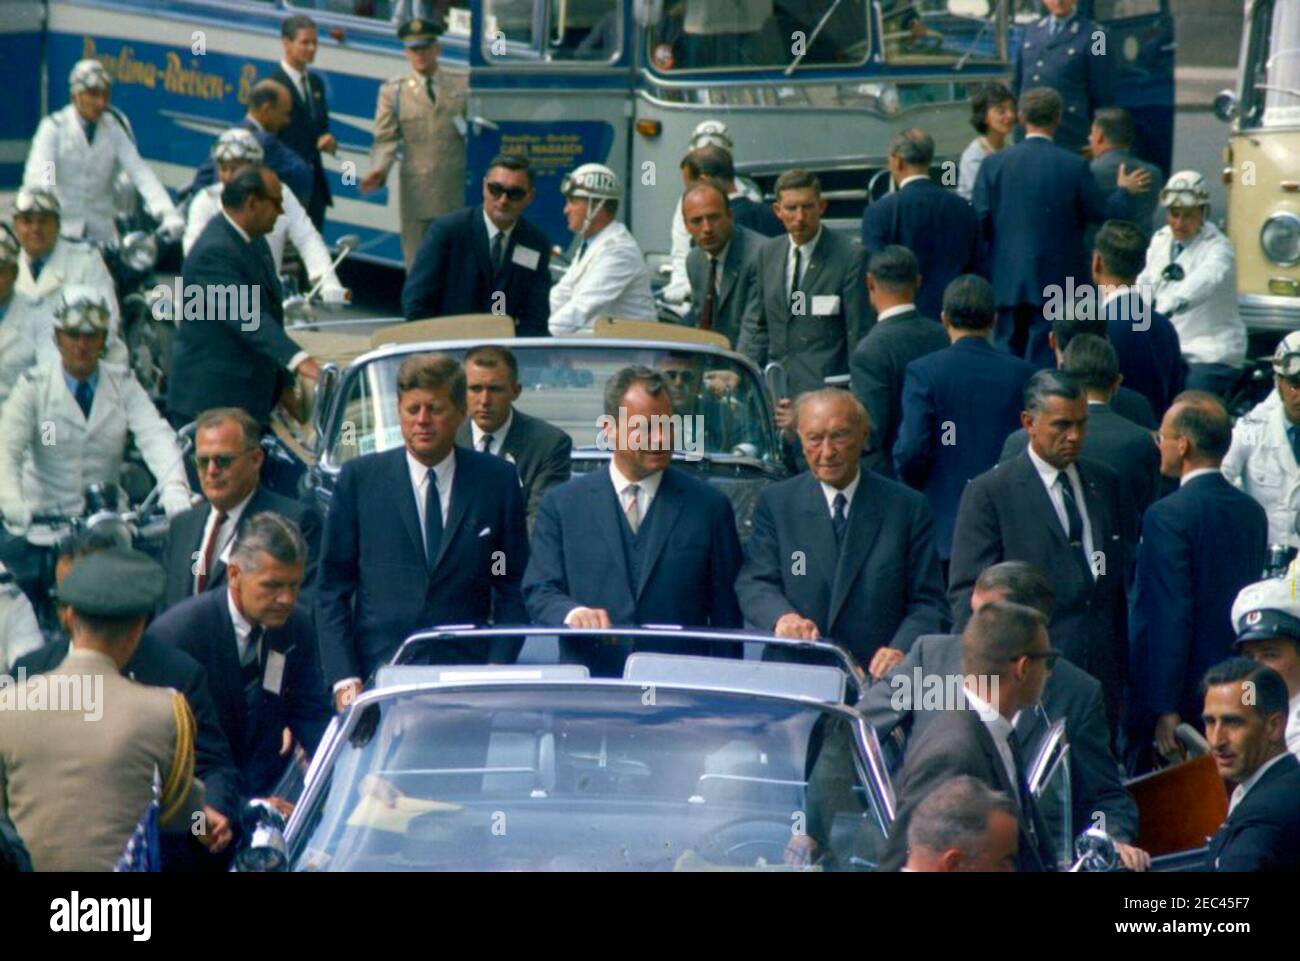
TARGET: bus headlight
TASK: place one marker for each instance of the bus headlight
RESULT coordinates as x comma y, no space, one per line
1280,238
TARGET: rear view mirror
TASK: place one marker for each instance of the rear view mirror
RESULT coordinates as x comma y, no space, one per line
1225,106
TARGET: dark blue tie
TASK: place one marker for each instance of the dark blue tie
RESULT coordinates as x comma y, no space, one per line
250,669
432,520
85,397
90,131
37,266
498,248
839,520
1293,433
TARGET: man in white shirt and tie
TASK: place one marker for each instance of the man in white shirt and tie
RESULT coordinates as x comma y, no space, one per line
307,132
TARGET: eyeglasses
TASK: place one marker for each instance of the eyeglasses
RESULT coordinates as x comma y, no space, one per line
220,461
680,376
513,194
1048,656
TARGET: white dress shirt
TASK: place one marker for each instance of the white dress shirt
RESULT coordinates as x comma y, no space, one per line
896,311
1293,726
1197,473
493,230
907,180
243,629
829,492
445,471
498,436
1241,790
1001,730
299,81
1048,474
225,536
805,256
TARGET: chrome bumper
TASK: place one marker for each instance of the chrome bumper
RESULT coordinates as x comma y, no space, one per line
1261,312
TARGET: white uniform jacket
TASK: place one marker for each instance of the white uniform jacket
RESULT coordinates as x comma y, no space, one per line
83,173
50,452
611,279
1203,305
293,224
70,262
1261,463
19,632
17,341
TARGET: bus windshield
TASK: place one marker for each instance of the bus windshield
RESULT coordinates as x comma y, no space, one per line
1271,80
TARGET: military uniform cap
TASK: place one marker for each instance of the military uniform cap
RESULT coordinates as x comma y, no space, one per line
419,32
119,582
1267,609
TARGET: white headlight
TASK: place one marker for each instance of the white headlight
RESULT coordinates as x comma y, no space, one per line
1280,238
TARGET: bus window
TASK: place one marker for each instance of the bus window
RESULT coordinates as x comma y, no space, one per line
583,30
940,31
455,13
760,34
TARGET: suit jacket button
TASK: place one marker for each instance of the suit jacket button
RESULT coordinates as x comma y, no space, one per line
1040,63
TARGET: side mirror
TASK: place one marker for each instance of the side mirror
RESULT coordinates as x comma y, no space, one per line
1094,851
348,242
1225,106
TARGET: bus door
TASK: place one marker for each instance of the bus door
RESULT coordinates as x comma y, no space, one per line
22,43
549,79
1142,41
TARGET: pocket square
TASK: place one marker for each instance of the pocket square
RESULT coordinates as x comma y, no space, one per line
485,532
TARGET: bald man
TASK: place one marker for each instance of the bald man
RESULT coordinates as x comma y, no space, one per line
839,552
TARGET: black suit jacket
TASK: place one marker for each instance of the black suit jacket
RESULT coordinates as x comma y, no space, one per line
957,743
1006,514
1263,832
302,132
375,588
936,225
225,360
452,274
1150,355
184,543
1134,407
160,665
540,451
756,216
1117,442
884,589
202,628
876,368
1069,693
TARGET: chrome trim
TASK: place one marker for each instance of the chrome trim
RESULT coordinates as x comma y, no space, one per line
1295,223
1269,311
1051,745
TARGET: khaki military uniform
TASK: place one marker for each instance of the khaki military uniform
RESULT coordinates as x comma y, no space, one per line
432,149
76,784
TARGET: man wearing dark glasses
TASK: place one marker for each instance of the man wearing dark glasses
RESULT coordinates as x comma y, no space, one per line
228,457
486,259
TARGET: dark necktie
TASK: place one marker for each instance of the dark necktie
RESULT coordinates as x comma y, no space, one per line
37,266
432,520
1073,518
839,519
209,552
1293,433
710,296
794,277
428,88
1178,250
582,249
90,131
485,443
498,251
1027,803
85,397
307,97
250,667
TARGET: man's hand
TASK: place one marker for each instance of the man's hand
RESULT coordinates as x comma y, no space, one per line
346,695
280,804
309,368
1137,182
372,181
327,144
796,627
286,742
884,661
334,295
720,382
218,835
1166,743
1135,859
589,618
801,852
785,417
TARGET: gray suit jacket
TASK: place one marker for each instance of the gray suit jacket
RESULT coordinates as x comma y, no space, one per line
815,342
540,452
1105,170
1070,693
729,305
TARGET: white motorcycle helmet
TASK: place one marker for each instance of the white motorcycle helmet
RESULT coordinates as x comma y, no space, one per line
81,310
237,145
37,200
712,132
89,75
1185,189
593,182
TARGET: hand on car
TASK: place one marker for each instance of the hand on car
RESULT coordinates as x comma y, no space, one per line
796,627
589,618
884,661
1134,859
346,695
217,834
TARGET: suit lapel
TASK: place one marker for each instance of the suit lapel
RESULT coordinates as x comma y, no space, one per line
815,263
730,270
818,537
482,248
661,520
463,492
1092,501
227,655
406,508
864,523
605,509
1038,500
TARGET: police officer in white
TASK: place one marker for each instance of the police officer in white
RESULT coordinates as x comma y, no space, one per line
17,351
1191,272
608,277
1267,618
49,261
1264,459
235,149
66,423
79,150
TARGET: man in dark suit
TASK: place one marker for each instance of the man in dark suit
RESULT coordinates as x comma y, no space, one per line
901,334
540,451
963,825
1068,517
1129,404
231,349
718,264
486,259
1150,356
715,161
1245,713
308,130
635,543
229,456
1006,643
934,223
1034,200
1124,447
1069,694
426,534
259,652
1110,141
959,404
807,306
1200,546
841,552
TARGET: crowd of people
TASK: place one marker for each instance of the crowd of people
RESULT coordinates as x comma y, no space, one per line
1032,476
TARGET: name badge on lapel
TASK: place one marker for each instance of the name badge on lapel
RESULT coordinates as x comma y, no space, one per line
825,305
525,257
273,678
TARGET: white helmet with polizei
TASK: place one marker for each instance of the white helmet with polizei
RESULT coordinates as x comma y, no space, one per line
89,75
237,145
592,181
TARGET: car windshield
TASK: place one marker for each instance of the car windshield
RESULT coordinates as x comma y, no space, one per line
720,408
1271,90
595,778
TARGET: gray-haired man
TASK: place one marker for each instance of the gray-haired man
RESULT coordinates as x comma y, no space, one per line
963,825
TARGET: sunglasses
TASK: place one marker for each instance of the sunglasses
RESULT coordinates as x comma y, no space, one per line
222,461
1051,657
680,376
513,194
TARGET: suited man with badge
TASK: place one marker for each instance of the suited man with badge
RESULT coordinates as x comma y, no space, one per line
486,259
807,306
841,552
539,451
424,534
718,264
308,131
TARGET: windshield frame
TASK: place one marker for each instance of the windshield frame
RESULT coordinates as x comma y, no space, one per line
874,774
1259,38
